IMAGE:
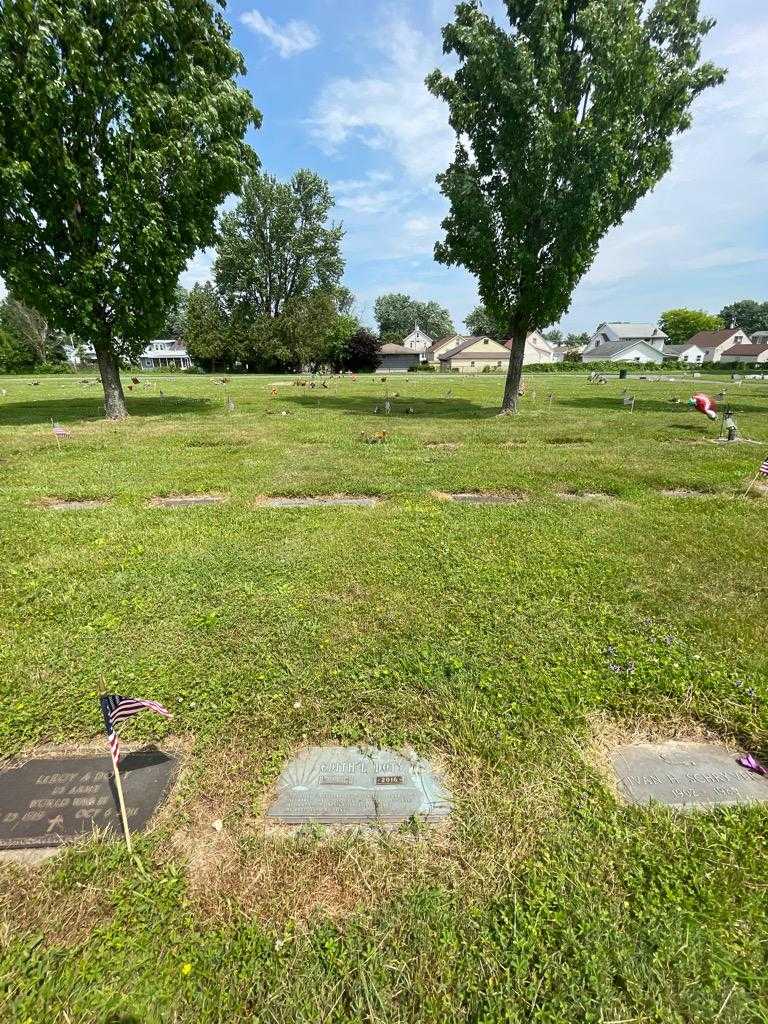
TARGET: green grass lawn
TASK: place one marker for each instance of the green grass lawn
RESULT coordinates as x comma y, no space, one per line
479,636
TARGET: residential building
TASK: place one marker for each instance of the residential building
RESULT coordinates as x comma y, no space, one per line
418,341
745,354
398,358
165,354
715,343
473,355
445,345
684,353
538,350
626,342
760,338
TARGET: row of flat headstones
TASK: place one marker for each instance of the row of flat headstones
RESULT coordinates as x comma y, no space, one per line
464,498
47,802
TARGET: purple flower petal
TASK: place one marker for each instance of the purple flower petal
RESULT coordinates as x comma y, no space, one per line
752,764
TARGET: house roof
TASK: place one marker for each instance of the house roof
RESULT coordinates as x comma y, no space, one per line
474,355
676,350
746,350
760,334
614,348
535,340
467,342
397,350
629,331
713,339
442,342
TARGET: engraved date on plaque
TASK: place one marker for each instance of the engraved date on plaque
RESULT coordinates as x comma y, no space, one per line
389,780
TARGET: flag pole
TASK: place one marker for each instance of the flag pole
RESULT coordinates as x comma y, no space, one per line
752,482
121,799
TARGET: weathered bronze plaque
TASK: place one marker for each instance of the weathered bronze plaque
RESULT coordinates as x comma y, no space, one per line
472,498
50,801
187,501
342,785
688,776
317,502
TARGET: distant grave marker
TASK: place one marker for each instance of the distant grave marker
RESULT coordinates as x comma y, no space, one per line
471,498
348,785
50,801
187,500
316,502
688,776
75,504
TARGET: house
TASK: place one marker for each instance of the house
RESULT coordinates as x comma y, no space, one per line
397,358
445,345
473,355
165,354
626,343
684,353
714,343
760,338
538,350
745,354
418,341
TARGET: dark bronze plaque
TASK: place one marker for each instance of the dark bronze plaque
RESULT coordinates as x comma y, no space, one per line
50,801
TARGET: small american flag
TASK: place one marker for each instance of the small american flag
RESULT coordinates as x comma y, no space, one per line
116,709
764,468
59,431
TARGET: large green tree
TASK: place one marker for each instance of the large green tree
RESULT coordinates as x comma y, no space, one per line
564,120
481,324
277,246
206,328
397,315
748,314
121,131
681,324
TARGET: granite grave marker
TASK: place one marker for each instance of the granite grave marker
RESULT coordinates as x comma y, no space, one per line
46,802
688,776
346,785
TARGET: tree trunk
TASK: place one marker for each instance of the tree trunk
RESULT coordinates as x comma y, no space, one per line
114,399
515,370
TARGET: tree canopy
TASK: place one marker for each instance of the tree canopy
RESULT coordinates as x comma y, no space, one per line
277,246
481,324
397,315
121,131
564,120
748,314
681,324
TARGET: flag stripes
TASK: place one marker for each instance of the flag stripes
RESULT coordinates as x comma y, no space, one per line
116,709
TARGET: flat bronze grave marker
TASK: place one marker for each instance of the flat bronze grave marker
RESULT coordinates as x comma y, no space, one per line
75,504
688,776
50,801
316,502
187,501
473,498
348,785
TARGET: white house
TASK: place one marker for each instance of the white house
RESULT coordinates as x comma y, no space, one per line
715,343
626,343
685,353
760,338
164,354
538,350
473,355
418,341
160,354
444,346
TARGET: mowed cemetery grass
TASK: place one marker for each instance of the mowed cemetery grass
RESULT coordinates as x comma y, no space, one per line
509,644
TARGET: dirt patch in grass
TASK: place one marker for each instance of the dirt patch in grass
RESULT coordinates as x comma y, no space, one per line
686,492
444,446
326,501
187,500
277,874
73,504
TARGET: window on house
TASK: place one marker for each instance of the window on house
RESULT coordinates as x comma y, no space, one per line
485,341
472,363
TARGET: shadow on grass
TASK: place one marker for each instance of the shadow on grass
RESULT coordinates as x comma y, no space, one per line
647,404
364,405
74,410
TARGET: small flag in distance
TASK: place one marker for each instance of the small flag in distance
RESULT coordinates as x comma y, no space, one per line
59,431
764,468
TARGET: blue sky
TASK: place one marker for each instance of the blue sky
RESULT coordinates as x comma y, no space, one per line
340,84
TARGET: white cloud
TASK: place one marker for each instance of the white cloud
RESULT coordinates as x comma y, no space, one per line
367,196
290,39
391,112
734,256
199,269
